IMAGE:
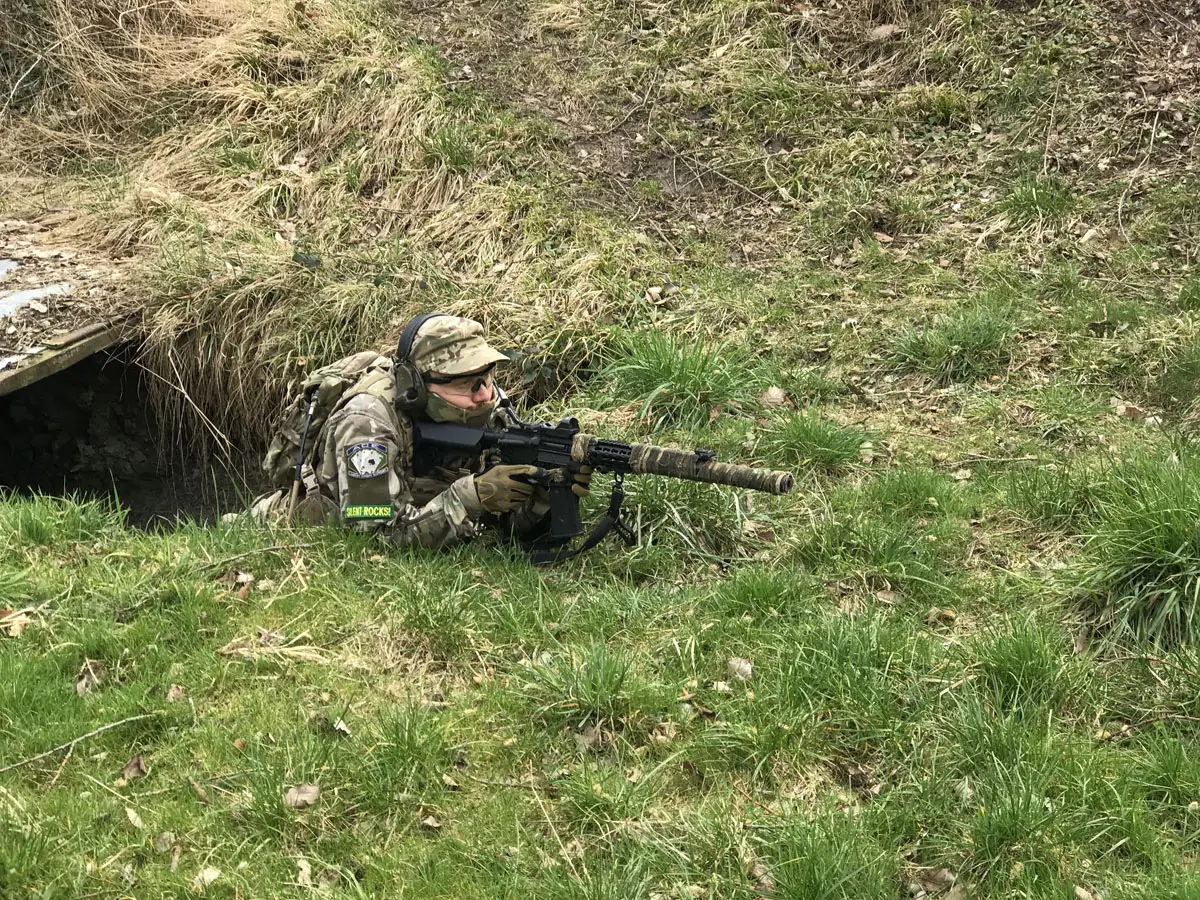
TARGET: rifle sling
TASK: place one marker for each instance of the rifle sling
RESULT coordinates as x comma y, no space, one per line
609,521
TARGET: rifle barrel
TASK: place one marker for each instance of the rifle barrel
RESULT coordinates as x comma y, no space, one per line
647,459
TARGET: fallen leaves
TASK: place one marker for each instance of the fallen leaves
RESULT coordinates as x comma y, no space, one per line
134,819
938,615
591,738
302,796
773,397
881,33
175,693
940,883
760,877
1126,410
201,794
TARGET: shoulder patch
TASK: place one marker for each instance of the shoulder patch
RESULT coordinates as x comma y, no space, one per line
366,460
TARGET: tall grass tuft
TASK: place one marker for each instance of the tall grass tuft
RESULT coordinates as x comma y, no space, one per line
1026,668
833,858
1036,198
407,757
1141,561
679,382
807,441
588,688
971,342
1061,498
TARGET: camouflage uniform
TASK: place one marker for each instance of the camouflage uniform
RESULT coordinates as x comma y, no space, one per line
360,471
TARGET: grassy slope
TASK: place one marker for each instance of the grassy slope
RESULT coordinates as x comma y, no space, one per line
951,246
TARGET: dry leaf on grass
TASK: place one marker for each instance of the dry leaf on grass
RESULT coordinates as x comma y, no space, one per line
328,878
134,819
432,823
90,676
760,875
205,877
164,841
938,616
303,872
773,397
14,621
301,797
884,32
135,768
935,881
201,794
591,738
175,693
740,669
268,644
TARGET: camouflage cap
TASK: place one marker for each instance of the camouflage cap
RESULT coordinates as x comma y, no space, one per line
453,346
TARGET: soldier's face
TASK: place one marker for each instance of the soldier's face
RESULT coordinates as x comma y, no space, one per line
472,392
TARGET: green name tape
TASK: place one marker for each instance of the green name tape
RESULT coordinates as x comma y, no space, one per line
367,512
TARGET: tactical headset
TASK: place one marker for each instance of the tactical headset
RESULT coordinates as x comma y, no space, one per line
411,393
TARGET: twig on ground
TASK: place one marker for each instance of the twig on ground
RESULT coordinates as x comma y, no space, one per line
1133,177
529,786
61,766
70,745
1169,717
1029,457
634,110
1147,659
762,806
236,557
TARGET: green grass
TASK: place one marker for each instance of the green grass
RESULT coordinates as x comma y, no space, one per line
1038,198
807,441
972,342
970,630
678,381
1141,561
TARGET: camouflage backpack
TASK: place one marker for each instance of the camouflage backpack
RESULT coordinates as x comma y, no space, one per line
366,372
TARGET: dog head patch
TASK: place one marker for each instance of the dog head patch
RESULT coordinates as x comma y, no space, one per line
366,460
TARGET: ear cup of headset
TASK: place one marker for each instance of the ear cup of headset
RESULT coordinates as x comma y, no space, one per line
410,388
411,393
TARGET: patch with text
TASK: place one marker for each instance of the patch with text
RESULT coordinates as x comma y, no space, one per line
367,512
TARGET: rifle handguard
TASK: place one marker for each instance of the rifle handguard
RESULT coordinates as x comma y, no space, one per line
693,465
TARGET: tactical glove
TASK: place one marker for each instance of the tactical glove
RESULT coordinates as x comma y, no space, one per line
498,490
581,487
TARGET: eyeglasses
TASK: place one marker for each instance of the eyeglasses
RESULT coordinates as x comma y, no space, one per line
461,382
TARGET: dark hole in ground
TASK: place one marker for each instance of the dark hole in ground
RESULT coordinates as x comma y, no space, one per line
90,430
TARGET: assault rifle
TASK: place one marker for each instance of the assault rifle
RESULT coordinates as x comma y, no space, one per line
559,451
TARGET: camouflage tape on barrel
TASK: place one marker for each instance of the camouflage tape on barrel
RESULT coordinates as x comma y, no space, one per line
646,459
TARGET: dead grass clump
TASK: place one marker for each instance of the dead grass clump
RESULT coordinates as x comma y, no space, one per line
89,68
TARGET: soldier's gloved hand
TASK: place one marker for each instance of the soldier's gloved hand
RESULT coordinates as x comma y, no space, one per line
582,486
498,490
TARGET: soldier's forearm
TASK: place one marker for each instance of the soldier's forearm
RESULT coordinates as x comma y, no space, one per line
447,519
